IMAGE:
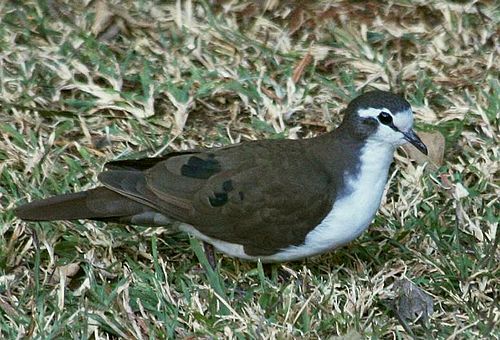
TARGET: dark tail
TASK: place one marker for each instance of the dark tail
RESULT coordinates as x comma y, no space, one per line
95,204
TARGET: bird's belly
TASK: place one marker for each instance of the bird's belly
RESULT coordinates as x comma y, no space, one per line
231,249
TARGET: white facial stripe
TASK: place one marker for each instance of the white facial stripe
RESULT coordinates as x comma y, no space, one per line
402,120
371,112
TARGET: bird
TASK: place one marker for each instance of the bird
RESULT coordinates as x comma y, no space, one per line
268,200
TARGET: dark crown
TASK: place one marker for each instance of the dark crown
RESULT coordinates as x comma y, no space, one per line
378,100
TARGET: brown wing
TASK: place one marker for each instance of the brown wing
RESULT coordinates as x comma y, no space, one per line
264,195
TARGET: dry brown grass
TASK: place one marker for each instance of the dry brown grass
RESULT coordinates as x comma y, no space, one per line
81,84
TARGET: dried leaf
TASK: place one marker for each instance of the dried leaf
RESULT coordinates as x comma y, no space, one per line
296,19
412,303
435,143
299,69
112,30
270,93
103,18
7,308
66,271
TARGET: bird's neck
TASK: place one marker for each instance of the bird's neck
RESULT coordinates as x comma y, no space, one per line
350,160
375,159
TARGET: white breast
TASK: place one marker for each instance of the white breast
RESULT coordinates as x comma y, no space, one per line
349,216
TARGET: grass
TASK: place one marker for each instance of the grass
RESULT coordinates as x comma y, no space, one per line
84,84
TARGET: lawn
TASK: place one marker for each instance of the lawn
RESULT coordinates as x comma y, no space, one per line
83,83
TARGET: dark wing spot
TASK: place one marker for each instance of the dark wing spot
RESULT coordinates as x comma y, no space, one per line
242,196
200,168
219,199
227,186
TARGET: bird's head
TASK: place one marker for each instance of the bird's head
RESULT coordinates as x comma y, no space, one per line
383,117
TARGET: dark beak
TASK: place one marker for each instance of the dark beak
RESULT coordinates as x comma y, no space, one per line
412,137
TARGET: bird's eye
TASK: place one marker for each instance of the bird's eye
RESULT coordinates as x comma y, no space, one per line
385,118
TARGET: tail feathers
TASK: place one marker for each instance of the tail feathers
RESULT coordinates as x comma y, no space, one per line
97,204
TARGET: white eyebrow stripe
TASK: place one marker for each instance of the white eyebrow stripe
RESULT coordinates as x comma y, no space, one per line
373,112
403,120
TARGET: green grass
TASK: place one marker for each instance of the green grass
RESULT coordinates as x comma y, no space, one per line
74,95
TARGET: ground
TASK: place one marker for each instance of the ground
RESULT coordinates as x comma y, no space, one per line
82,83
